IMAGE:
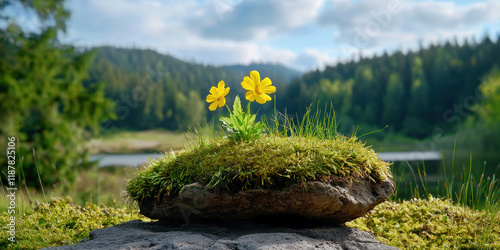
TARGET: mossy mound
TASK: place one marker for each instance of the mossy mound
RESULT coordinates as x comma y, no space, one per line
431,224
269,162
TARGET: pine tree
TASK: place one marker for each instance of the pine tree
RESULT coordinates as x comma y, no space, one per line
418,117
42,98
394,102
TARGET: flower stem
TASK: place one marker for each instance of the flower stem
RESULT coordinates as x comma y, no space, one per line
248,107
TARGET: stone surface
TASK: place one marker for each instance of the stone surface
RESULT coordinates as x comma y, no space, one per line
333,204
229,235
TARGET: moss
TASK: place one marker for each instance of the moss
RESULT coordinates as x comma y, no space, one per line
60,222
270,162
432,223
427,224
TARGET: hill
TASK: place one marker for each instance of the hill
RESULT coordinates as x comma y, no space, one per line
154,90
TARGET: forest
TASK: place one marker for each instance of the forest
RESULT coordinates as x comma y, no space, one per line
412,93
152,90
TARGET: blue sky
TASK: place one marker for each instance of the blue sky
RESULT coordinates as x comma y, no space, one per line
303,34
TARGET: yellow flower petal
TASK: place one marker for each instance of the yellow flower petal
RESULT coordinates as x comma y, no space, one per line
216,96
269,90
221,84
261,99
257,90
213,91
250,96
247,83
255,77
211,98
220,88
266,82
213,106
226,91
222,102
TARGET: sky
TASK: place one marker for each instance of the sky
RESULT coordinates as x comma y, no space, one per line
301,34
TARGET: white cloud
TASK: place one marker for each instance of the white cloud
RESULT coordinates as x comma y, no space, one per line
368,24
312,58
254,20
241,31
174,28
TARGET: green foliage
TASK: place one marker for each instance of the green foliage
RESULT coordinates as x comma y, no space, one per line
431,223
240,125
42,100
338,92
415,124
60,222
481,128
488,110
393,101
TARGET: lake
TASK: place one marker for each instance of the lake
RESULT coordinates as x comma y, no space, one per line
406,165
124,160
136,160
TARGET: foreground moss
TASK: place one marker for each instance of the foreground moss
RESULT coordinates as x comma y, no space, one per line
60,222
268,162
432,223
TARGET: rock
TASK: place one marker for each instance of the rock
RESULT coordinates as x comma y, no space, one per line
332,204
231,235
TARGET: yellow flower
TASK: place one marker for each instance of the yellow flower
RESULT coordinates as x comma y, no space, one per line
217,96
257,90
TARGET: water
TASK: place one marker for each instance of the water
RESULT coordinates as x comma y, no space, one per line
136,160
124,160
411,161
410,156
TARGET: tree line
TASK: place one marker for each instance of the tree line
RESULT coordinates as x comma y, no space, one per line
412,92
153,90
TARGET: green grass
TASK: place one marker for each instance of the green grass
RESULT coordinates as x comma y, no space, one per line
477,191
94,186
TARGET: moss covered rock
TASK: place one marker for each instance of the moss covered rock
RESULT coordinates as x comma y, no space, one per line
336,180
